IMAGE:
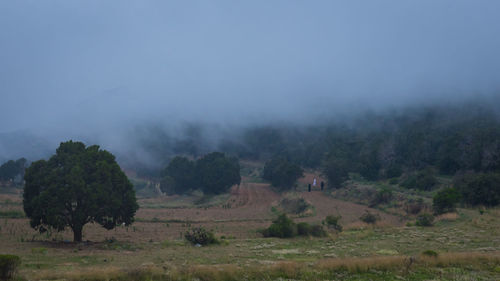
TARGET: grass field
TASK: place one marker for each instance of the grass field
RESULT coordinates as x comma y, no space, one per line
467,243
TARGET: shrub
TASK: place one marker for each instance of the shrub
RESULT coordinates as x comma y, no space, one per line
282,227
305,229
414,207
282,173
479,189
370,218
425,220
383,196
445,200
317,231
422,180
333,222
430,253
8,266
199,235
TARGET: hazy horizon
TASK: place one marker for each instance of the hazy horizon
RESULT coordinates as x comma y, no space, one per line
97,70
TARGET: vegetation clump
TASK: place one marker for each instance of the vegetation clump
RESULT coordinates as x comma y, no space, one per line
282,173
369,217
201,236
76,186
425,220
430,253
422,180
8,266
213,173
333,222
383,196
445,200
12,171
479,189
284,227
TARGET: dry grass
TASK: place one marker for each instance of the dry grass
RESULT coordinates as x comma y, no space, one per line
288,269
447,217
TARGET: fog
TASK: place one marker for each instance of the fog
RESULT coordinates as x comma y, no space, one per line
107,71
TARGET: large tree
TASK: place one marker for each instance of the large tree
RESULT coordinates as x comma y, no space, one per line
179,176
76,186
217,173
282,173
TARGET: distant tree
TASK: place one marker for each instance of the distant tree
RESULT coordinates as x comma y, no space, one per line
179,176
336,171
13,170
282,173
76,186
479,189
445,200
423,180
217,173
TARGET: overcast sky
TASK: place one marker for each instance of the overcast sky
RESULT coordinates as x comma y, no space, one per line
95,66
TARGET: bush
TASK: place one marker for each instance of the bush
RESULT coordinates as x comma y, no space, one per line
8,266
305,229
370,218
383,196
317,231
445,200
333,222
282,227
414,207
430,253
479,189
199,235
425,220
282,173
422,180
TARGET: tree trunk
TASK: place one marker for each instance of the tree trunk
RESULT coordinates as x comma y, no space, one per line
77,233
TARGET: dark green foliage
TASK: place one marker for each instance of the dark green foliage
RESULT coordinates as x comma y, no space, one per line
8,266
383,196
13,170
422,180
214,173
76,186
445,200
425,220
305,229
282,173
199,235
282,227
430,253
217,173
479,189
414,206
336,171
179,176
333,222
369,217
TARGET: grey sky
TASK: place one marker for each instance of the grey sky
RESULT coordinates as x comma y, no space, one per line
75,67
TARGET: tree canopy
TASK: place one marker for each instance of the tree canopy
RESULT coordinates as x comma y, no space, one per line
282,173
76,186
213,173
13,170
